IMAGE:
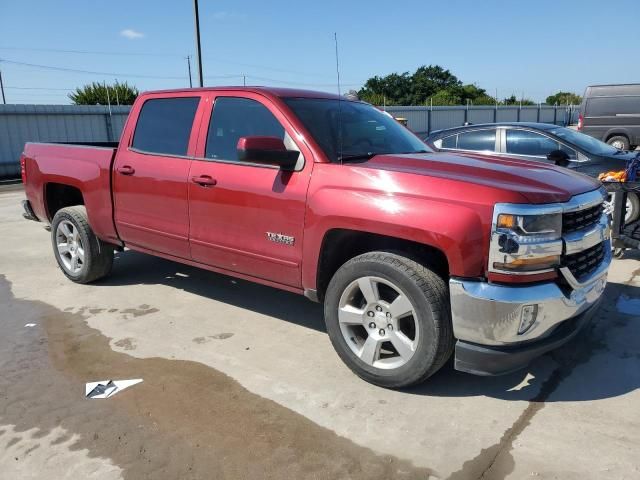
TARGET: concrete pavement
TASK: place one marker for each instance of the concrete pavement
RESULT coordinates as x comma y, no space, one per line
248,374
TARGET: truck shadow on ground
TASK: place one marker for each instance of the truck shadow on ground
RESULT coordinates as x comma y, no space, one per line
603,361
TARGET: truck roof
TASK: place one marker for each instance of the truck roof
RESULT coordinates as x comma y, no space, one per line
274,91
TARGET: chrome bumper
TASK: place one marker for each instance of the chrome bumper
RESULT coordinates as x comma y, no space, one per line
490,314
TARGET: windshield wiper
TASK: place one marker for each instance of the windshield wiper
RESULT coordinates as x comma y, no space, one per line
358,156
370,155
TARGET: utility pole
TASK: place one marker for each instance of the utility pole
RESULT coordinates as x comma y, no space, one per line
4,100
198,52
189,68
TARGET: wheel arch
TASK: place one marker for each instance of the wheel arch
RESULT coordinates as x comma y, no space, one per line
617,132
339,245
60,195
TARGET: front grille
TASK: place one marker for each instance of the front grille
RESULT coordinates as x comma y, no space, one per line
585,262
573,221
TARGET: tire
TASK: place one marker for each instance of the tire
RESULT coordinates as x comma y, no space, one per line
619,141
409,298
633,208
94,258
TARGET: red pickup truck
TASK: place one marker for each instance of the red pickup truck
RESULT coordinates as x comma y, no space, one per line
415,254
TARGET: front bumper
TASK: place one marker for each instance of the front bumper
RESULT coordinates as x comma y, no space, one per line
488,318
484,360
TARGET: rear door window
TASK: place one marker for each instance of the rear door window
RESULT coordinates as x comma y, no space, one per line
478,140
164,125
524,142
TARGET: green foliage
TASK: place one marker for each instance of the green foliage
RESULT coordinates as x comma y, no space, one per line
428,84
512,100
96,94
564,98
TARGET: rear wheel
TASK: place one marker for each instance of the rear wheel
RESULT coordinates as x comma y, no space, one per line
388,318
81,255
620,142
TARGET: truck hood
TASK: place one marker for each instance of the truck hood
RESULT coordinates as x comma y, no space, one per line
536,181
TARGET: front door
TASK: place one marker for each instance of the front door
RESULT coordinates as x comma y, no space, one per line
245,217
151,174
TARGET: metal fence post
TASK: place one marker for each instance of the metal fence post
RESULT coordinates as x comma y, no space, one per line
107,119
555,115
429,121
495,114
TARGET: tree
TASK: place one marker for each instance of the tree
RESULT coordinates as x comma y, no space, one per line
96,94
394,89
512,100
427,81
428,84
564,98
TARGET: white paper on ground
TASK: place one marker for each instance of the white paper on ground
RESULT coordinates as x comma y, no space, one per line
108,388
30,325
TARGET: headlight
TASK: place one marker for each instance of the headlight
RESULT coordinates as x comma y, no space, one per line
531,228
525,241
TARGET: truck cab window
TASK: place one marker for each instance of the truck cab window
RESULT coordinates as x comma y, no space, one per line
164,125
235,117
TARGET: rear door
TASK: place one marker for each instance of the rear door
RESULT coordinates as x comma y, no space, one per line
249,218
151,172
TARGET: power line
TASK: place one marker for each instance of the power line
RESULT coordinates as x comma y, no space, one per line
40,88
152,54
111,74
90,72
92,52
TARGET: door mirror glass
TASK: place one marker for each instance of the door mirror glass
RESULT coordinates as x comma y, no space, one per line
559,157
267,150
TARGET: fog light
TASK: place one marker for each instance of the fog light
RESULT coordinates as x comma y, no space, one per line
527,318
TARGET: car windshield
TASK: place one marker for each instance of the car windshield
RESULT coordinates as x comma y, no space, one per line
351,130
585,142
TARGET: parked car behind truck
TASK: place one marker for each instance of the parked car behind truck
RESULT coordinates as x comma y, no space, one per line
542,142
414,254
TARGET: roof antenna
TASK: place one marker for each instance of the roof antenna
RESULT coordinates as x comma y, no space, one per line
335,38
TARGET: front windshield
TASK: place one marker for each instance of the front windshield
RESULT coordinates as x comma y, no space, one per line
587,143
345,129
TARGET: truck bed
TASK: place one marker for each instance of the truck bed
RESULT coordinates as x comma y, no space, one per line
83,166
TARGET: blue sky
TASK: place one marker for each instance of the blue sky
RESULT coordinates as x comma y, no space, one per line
533,47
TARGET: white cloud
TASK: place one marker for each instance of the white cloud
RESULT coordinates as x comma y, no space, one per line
131,34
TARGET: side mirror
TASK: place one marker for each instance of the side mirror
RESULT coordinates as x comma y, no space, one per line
267,150
559,157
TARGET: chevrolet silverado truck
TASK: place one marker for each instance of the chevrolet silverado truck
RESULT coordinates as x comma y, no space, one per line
416,255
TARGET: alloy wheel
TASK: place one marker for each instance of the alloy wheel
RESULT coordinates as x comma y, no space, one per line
378,322
70,247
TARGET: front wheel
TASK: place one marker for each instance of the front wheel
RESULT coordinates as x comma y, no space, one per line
389,320
81,255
